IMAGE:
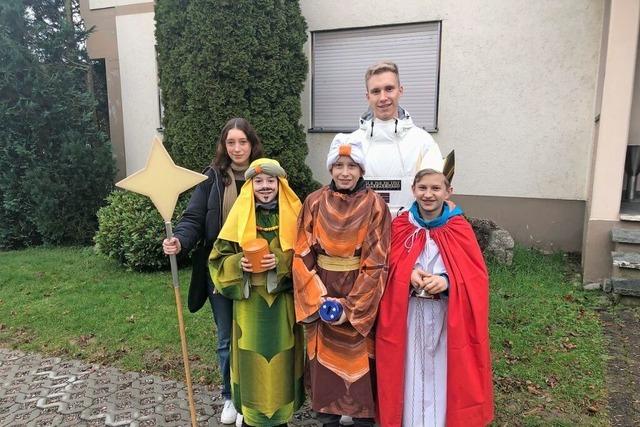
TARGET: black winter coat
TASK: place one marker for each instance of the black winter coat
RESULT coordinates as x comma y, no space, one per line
199,228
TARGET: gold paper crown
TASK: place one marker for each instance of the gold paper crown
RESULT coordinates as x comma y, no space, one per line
432,160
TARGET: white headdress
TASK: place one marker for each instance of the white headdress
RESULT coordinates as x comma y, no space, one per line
343,146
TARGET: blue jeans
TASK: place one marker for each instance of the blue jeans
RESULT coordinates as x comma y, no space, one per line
222,309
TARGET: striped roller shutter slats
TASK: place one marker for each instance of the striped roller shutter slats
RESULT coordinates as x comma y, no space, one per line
341,57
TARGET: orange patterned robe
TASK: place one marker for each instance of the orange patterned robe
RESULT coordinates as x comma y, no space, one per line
340,364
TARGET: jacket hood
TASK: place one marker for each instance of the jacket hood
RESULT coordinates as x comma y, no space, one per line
403,122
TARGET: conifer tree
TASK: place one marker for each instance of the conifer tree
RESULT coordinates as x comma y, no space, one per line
56,167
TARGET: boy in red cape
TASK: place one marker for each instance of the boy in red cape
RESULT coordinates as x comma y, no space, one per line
432,339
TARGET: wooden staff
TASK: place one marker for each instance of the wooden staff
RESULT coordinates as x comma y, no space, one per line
183,336
162,181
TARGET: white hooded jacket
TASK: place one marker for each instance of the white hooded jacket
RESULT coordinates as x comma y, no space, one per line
393,151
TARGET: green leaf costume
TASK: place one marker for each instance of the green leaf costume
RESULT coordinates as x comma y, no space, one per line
267,346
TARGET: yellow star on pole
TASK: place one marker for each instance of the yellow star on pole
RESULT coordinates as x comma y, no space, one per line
161,180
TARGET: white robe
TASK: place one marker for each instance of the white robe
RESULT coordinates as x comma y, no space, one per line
425,385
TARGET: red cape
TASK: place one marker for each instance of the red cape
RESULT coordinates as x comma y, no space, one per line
469,381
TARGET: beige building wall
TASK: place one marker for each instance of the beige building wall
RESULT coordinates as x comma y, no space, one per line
618,83
124,36
516,101
517,88
139,79
615,113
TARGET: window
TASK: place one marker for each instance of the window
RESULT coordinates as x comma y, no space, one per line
341,57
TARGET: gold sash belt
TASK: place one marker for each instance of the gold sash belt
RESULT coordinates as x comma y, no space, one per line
336,263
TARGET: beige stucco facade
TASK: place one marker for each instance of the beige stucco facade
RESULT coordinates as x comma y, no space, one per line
516,101
517,88
521,84
617,82
124,36
140,96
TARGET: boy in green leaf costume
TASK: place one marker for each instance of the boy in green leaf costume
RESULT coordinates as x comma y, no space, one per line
267,353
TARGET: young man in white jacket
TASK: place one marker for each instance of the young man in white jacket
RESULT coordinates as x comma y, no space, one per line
393,146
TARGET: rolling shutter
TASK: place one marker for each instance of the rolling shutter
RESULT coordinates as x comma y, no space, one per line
341,57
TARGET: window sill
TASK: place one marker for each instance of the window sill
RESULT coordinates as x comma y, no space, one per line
330,130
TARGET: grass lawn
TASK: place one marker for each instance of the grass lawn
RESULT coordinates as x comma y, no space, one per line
547,342
71,302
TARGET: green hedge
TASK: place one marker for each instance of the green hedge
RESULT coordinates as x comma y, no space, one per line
220,59
131,231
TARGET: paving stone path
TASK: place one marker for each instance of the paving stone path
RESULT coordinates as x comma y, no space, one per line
40,391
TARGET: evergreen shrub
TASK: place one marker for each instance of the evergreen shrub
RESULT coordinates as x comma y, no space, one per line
131,231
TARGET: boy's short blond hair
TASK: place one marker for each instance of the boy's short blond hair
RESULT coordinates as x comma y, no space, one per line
379,68
424,172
